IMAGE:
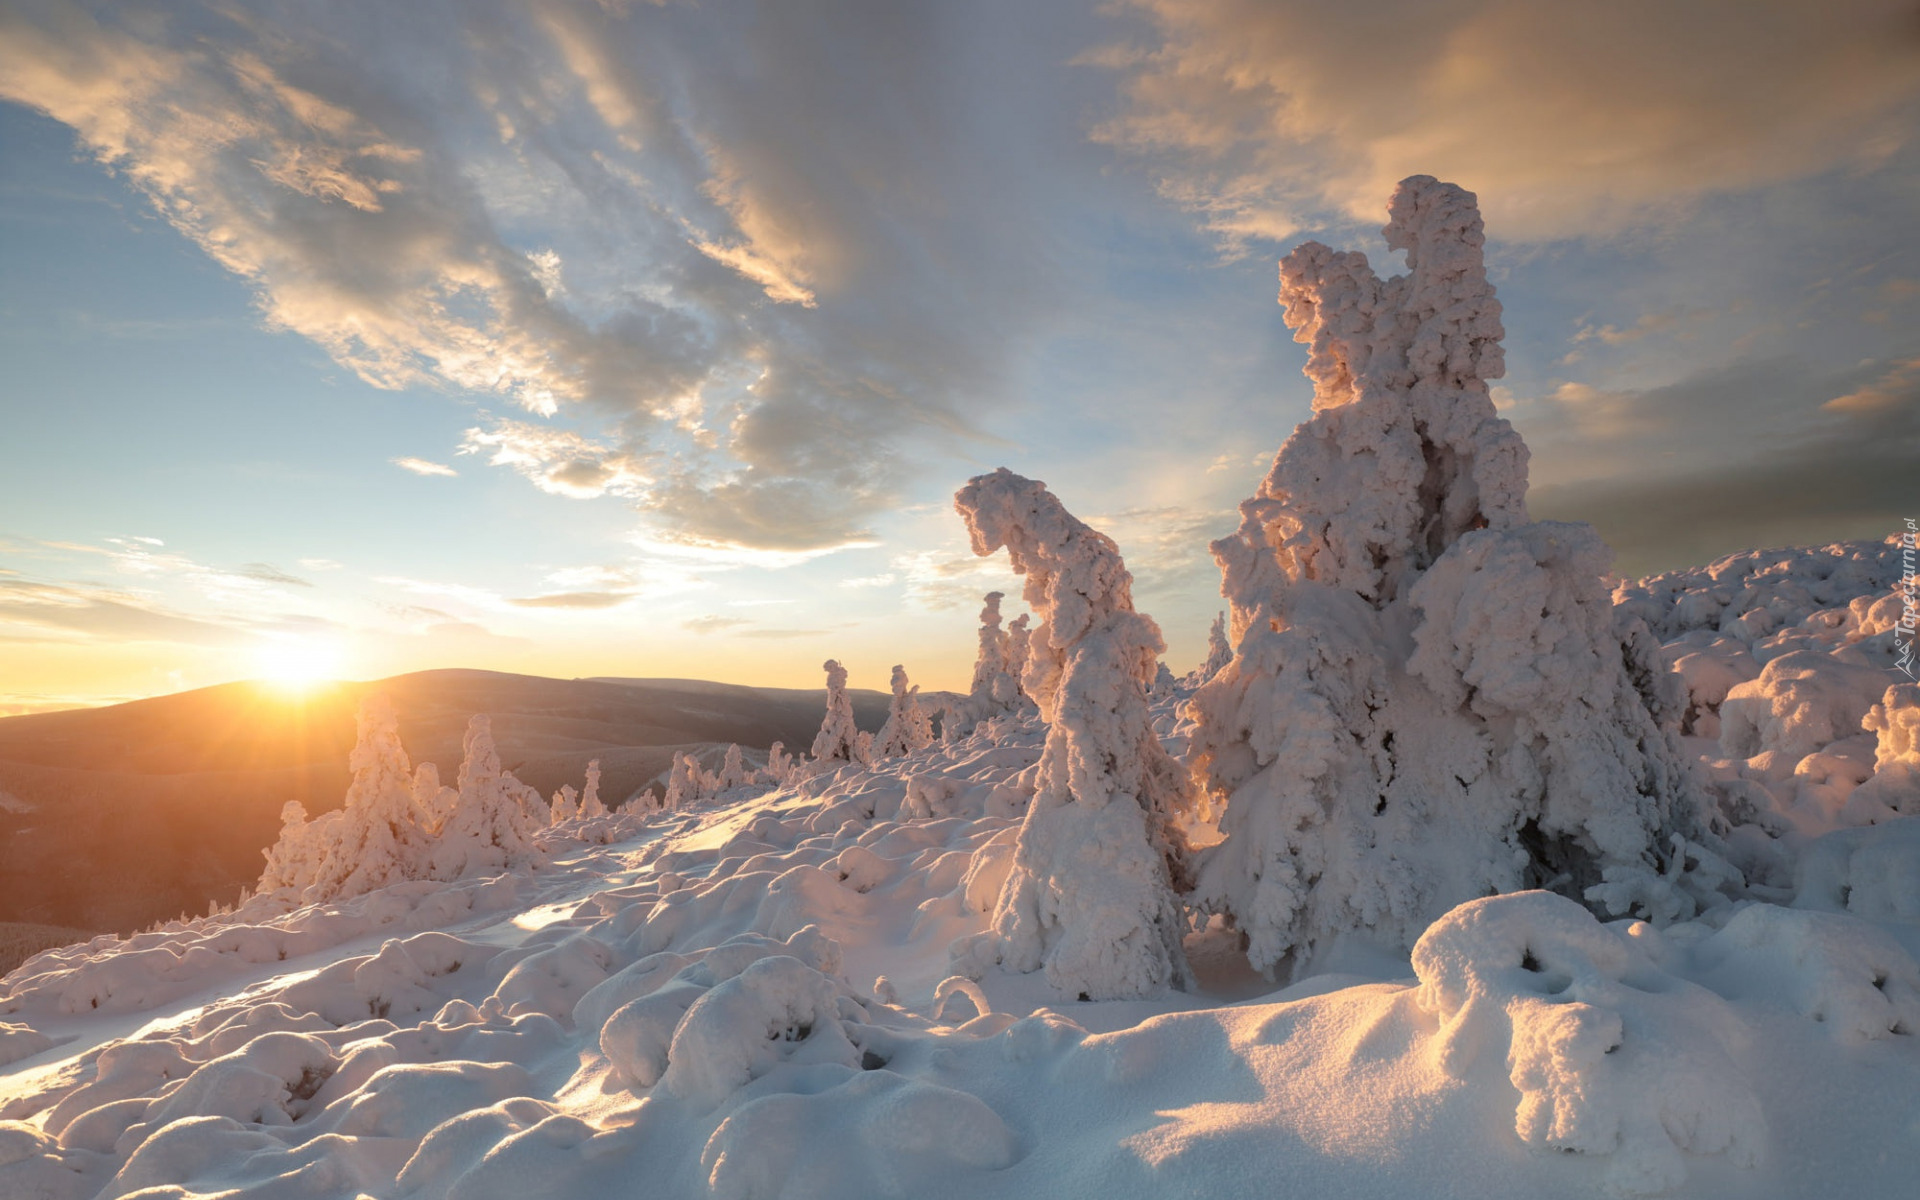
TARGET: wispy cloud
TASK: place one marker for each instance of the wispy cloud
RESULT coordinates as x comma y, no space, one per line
573,600
713,623
422,466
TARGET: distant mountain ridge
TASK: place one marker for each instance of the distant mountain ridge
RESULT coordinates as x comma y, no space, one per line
137,812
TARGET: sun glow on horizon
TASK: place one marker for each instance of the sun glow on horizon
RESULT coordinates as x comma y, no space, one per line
298,664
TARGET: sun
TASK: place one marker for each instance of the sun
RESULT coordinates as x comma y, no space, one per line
297,664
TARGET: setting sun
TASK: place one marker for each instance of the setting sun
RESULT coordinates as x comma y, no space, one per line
297,664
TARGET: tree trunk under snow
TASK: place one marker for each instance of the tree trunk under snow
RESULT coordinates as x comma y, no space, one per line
1429,700
1091,897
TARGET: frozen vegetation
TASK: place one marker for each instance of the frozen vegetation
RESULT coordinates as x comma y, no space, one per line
1458,868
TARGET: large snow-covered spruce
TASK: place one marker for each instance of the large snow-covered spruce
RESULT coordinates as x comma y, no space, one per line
1091,895
1430,698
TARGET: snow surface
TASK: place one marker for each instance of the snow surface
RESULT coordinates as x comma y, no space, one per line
696,1009
984,968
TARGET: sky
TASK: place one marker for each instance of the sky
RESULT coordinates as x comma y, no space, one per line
653,339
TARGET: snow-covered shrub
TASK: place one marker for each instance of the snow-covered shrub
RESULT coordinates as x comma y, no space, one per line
566,806
1429,698
907,728
839,741
1091,897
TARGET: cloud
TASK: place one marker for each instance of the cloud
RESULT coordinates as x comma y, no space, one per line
1833,459
421,466
746,294
319,564
1263,116
870,581
712,623
268,573
558,461
942,580
573,600
96,613
783,633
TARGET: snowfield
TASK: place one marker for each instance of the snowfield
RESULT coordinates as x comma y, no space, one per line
1450,873
757,999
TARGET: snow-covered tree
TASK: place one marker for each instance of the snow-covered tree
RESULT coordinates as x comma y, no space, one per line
1017,635
591,806
432,803
1091,896
839,738
1219,653
565,805
294,858
375,839
1429,700
493,824
734,772
780,766
683,788
907,728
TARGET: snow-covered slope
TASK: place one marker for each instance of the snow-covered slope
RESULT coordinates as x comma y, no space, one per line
755,999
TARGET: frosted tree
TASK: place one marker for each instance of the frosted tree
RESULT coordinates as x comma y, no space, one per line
996,688
1429,700
733,771
493,824
1219,653
566,806
1017,635
780,766
294,859
907,727
839,738
591,806
432,803
376,838
682,786
990,665
1091,896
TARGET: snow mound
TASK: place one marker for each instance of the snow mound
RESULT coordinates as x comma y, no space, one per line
1610,1055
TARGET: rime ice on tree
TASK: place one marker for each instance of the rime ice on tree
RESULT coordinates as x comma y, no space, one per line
1429,700
1091,894
493,825
907,728
839,739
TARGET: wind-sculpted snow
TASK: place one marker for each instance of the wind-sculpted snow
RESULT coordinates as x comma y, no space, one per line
1430,698
1091,897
